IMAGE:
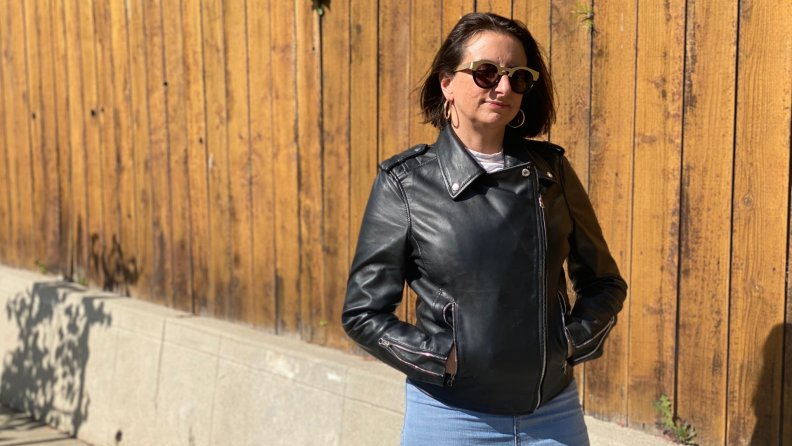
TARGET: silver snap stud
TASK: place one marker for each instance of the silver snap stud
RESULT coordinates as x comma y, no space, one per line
417,149
455,187
526,172
549,175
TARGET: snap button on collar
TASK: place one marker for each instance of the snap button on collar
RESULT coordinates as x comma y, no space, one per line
455,187
549,175
526,172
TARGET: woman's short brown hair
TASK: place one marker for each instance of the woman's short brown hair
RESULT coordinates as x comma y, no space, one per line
537,104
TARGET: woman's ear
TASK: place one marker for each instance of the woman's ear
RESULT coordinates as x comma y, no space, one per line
445,85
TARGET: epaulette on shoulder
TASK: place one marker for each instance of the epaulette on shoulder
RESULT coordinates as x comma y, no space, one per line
395,160
558,148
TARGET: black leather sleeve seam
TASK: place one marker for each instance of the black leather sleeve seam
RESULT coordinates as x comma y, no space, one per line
410,229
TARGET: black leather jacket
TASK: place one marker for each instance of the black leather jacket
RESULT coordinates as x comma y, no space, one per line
484,253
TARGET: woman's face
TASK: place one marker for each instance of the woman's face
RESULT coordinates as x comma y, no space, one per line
485,109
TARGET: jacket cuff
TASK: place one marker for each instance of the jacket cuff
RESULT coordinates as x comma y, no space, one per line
419,364
587,343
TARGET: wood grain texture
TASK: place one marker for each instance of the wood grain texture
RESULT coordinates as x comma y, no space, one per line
335,138
453,10
126,252
759,224
175,98
93,145
108,258
611,182
655,240
394,87
197,159
708,128
6,186
142,153
286,161
315,318
217,302
238,113
63,144
79,228
262,164
500,7
535,14
18,153
35,99
161,278
48,179
786,404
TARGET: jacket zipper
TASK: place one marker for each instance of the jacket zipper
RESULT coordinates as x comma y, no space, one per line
544,298
563,327
388,343
604,331
450,381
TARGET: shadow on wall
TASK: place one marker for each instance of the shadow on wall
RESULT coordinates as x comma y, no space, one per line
44,373
769,396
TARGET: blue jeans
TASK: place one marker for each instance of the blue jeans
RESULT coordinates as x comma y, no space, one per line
432,423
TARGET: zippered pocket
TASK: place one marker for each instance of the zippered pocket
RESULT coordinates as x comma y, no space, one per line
563,327
393,346
602,334
453,325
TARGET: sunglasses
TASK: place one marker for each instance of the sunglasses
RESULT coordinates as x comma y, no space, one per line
487,74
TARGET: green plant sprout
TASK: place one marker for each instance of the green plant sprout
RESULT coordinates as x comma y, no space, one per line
587,12
319,6
681,431
42,267
322,323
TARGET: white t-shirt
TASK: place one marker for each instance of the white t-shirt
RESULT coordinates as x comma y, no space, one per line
490,162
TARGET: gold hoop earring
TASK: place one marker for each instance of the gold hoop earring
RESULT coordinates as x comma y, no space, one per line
447,109
522,121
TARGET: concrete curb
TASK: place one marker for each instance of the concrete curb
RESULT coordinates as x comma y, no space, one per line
106,367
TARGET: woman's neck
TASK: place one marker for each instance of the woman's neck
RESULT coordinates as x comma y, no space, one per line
481,140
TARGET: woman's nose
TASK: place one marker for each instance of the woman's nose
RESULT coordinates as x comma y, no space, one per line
504,84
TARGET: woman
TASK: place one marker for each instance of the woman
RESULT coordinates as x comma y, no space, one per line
479,224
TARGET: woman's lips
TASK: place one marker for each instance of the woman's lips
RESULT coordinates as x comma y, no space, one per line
496,104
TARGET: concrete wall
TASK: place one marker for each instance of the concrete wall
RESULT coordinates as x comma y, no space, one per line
101,366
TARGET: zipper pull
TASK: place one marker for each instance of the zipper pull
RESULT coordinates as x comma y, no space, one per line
450,381
383,342
564,367
541,203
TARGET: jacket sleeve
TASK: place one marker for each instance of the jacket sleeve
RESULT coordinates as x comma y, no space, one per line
600,289
375,286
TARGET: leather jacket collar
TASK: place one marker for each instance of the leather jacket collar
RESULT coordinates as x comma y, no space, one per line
460,169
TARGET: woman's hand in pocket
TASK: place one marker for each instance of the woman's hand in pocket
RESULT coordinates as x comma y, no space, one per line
451,362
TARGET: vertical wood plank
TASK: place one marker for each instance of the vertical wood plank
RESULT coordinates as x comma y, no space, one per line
48,179
241,297
708,129
18,151
313,304
5,186
500,7
217,165
363,112
535,14
122,131
195,116
175,96
262,164
612,123
77,142
286,164
162,280
108,258
655,242
142,149
35,124
786,408
93,145
63,144
759,231
335,137
453,10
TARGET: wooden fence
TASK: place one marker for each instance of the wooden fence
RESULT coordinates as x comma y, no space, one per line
216,157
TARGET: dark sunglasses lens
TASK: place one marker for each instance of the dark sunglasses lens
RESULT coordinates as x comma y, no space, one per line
521,81
486,75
